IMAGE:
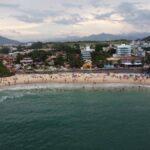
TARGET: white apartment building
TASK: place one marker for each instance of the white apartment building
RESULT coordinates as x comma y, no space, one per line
124,50
86,53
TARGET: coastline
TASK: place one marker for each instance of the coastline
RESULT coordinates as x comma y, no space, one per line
74,81
75,86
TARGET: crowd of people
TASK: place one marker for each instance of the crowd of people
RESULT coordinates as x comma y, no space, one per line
92,78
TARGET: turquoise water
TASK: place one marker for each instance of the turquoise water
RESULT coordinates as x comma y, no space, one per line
45,119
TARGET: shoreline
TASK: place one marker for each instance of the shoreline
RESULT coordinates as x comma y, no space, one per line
77,86
75,80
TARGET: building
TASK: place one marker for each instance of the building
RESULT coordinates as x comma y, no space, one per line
86,53
124,57
140,52
8,61
26,61
126,61
87,64
124,50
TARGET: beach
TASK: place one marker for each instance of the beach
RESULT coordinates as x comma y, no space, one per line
76,78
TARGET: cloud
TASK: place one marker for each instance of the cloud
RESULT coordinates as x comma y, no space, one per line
101,3
83,17
4,5
128,13
73,5
104,16
134,15
29,19
69,20
35,16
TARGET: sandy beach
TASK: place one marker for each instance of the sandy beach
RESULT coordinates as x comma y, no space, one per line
90,78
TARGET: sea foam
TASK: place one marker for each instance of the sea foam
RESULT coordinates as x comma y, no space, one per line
72,86
16,95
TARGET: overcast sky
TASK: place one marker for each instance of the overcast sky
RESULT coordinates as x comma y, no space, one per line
47,19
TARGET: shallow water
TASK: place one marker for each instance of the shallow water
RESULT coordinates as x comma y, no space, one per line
42,119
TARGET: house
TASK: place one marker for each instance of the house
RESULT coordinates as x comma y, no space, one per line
50,60
126,60
26,61
87,64
8,61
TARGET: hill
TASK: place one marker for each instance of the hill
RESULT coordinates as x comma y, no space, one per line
147,38
106,37
6,41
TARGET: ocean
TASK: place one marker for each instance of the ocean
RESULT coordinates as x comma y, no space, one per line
79,119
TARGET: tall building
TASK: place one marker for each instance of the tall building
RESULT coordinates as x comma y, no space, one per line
86,53
124,50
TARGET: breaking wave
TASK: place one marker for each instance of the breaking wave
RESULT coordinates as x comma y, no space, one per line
3,98
13,95
18,91
72,86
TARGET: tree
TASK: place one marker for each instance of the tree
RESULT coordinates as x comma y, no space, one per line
99,58
59,61
4,72
75,61
74,48
99,47
147,49
133,61
119,62
73,53
112,51
5,50
38,55
19,58
37,45
147,59
60,47
19,48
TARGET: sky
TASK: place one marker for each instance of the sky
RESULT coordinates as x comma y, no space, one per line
26,20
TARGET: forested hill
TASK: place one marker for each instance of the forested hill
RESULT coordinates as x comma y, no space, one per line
6,41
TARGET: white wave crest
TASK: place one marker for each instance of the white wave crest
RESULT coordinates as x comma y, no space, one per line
72,86
3,98
27,89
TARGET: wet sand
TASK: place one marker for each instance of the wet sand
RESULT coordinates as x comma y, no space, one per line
78,78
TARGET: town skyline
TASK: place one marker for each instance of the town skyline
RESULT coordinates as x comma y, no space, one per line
48,19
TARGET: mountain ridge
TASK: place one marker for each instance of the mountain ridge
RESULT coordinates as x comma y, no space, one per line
107,37
7,41
92,37
146,38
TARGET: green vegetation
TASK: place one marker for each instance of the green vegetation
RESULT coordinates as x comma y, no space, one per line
20,48
147,59
73,54
59,61
99,59
39,55
99,56
67,54
147,39
147,48
18,59
37,45
99,47
75,60
4,72
4,50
